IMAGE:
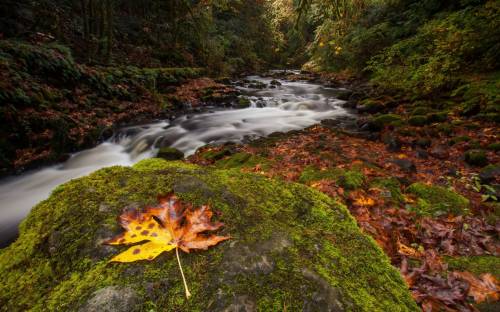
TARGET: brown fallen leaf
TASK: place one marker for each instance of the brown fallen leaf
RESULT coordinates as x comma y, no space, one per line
482,288
171,224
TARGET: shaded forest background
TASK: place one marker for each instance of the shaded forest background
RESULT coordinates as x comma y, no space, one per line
98,59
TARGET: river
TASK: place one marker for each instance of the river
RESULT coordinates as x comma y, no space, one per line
289,106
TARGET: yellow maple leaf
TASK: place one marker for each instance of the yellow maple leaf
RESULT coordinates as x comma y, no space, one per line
170,225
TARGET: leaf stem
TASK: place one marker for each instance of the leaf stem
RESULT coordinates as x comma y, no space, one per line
188,294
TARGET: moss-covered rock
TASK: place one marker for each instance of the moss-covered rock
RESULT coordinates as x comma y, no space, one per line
170,153
243,102
437,117
494,146
387,120
437,200
476,157
291,246
391,188
418,120
348,179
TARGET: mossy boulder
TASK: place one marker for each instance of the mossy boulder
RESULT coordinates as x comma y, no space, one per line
242,160
418,120
243,102
170,153
476,157
437,200
387,120
291,246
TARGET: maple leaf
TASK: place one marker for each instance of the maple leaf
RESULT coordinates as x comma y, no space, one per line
171,224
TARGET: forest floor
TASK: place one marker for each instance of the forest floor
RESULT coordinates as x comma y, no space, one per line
427,193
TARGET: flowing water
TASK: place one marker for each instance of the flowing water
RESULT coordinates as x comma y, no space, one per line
293,105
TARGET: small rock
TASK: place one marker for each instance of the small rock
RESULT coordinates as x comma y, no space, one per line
275,83
393,143
421,153
405,164
439,152
112,299
489,173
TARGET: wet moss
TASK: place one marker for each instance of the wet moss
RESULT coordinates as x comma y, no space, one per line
386,120
475,264
437,200
243,160
349,179
391,186
291,246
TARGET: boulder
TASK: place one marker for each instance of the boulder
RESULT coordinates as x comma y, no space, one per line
290,246
170,153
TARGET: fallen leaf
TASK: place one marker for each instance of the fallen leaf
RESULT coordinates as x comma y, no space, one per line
171,224
482,288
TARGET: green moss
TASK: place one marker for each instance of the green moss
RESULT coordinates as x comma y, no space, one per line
215,154
436,200
459,139
476,157
391,186
418,120
290,245
386,120
311,173
437,117
494,146
242,160
475,264
348,179
421,110
170,153
243,102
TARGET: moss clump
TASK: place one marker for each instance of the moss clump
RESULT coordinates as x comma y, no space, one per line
437,117
475,264
215,155
243,102
418,121
391,186
476,157
436,200
387,120
459,139
170,153
291,245
494,146
348,179
421,110
242,160
311,173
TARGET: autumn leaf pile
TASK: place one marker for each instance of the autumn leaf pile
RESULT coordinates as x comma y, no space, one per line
416,244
